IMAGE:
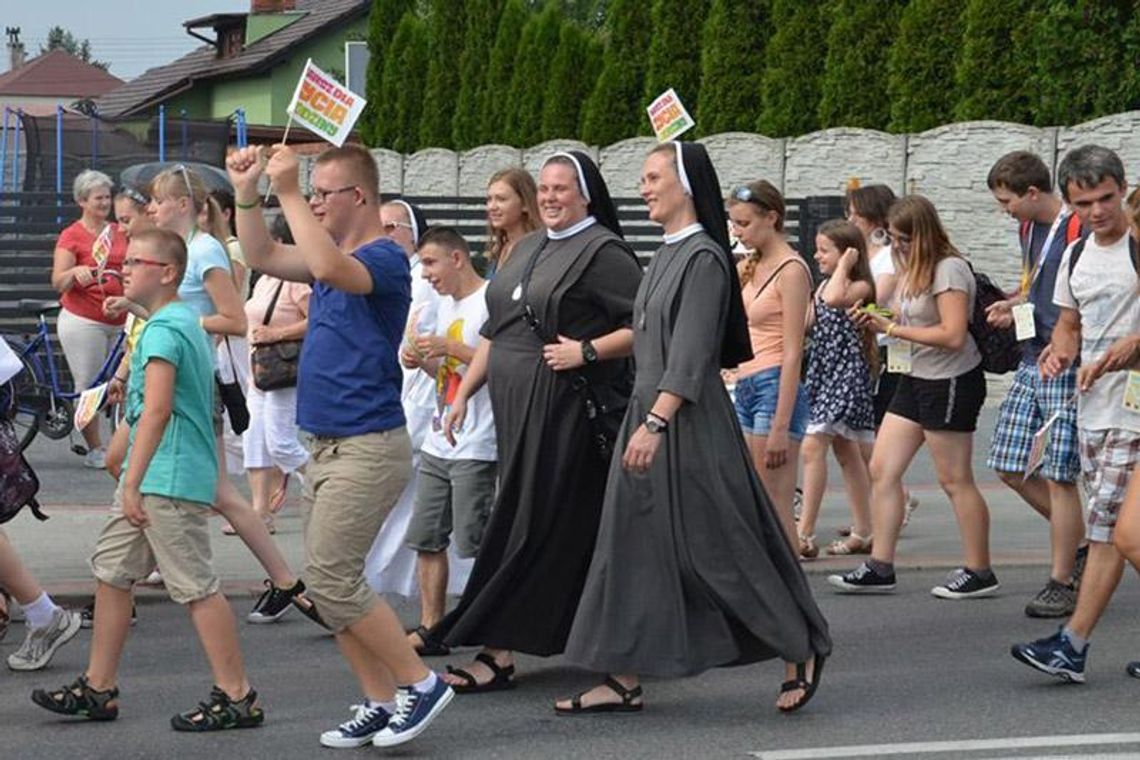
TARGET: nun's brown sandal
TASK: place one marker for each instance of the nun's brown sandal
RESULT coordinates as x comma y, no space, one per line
626,705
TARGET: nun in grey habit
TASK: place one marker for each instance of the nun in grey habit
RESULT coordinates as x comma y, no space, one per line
691,569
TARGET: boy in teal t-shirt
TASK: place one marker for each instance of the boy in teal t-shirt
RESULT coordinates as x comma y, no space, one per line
166,491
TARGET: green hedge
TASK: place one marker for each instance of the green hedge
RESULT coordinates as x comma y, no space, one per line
462,73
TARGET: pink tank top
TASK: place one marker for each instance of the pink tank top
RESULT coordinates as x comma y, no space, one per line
766,322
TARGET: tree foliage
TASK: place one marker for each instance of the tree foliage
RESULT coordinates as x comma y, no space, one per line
854,88
405,75
994,65
482,17
445,24
616,107
789,86
732,65
920,64
382,22
538,45
496,121
572,74
674,58
59,38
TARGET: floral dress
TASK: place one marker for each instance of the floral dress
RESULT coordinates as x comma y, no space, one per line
838,378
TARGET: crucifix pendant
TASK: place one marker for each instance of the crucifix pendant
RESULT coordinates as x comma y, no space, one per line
516,294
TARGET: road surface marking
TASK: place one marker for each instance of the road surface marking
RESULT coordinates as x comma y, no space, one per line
973,745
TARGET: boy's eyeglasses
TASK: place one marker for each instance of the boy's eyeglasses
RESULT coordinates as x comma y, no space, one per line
138,261
321,196
393,226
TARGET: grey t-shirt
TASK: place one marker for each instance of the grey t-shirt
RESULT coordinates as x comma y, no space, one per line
929,362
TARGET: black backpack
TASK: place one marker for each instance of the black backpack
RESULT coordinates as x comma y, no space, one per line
998,345
18,482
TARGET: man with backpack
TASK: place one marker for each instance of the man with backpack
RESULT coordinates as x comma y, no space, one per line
1021,184
1099,294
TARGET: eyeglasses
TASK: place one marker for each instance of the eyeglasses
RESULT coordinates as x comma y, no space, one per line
393,226
321,196
137,261
181,169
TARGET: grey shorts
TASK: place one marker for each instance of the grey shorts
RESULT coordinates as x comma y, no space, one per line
452,496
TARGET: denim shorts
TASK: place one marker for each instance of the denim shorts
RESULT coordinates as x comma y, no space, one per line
756,397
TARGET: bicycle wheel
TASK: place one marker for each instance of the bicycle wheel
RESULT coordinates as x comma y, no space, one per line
21,401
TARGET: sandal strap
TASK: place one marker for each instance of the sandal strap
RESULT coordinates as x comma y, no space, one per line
470,679
497,671
627,695
792,685
857,537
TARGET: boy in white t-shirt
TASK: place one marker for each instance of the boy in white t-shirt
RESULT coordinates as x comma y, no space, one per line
456,480
1099,294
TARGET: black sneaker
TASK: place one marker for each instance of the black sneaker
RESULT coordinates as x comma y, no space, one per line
80,699
87,615
964,583
863,580
220,713
1054,601
275,602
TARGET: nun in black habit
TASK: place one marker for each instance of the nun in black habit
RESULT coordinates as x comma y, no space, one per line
691,569
558,335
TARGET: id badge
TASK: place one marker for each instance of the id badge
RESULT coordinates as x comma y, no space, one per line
1132,392
899,355
1023,323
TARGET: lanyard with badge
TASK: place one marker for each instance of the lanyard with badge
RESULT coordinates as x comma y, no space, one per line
1023,323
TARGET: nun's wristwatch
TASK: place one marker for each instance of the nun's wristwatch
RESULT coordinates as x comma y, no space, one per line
655,424
589,353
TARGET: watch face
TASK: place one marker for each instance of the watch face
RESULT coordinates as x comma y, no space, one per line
589,353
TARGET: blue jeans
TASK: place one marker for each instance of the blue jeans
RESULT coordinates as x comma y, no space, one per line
756,397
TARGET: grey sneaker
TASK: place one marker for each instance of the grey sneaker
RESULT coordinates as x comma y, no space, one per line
40,644
1054,601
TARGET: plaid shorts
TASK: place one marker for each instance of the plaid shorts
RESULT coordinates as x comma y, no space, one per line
1107,459
1031,401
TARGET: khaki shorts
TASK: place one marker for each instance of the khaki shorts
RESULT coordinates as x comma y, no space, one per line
177,541
351,484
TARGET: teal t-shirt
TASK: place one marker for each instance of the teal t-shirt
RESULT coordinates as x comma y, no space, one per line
184,466
203,254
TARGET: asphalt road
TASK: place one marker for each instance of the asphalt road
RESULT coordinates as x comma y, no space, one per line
907,668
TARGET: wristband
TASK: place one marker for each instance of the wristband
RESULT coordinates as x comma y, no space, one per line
121,379
890,329
255,204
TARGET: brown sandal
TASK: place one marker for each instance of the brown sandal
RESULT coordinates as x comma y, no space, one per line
809,549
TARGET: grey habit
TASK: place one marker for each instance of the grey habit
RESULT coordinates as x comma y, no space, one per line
691,569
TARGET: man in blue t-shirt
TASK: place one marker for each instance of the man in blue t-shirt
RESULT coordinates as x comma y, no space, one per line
1021,184
348,401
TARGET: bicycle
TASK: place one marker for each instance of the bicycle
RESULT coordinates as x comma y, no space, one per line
35,399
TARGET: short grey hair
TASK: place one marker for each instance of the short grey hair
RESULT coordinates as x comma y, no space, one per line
1088,166
88,181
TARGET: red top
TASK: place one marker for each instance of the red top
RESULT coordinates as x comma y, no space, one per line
88,302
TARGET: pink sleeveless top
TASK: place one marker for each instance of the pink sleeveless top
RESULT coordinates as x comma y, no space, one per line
766,323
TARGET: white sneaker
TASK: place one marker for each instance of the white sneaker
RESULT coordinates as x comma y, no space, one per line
96,459
40,644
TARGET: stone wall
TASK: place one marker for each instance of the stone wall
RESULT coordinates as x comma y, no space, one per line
948,164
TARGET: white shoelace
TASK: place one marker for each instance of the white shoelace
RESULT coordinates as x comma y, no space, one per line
363,715
405,703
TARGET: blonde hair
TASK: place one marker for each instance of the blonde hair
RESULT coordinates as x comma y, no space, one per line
180,182
916,217
520,181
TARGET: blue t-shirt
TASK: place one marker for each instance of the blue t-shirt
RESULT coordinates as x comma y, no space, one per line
204,253
184,465
349,379
1045,312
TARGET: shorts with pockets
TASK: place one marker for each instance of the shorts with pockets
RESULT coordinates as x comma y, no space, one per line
1107,460
952,404
453,496
1032,400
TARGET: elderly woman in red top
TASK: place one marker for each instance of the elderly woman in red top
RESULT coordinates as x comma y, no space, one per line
85,271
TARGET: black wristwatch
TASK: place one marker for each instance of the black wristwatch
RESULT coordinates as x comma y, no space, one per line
589,353
655,424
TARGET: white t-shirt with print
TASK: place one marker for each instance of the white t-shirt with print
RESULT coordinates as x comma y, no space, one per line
1105,290
461,320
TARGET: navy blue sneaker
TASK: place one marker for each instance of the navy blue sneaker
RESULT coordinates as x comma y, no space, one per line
414,711
365,723
863,580
1055,656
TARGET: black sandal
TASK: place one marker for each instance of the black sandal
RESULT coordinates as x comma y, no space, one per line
429,645
626,704
801,682
501,678
80,699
